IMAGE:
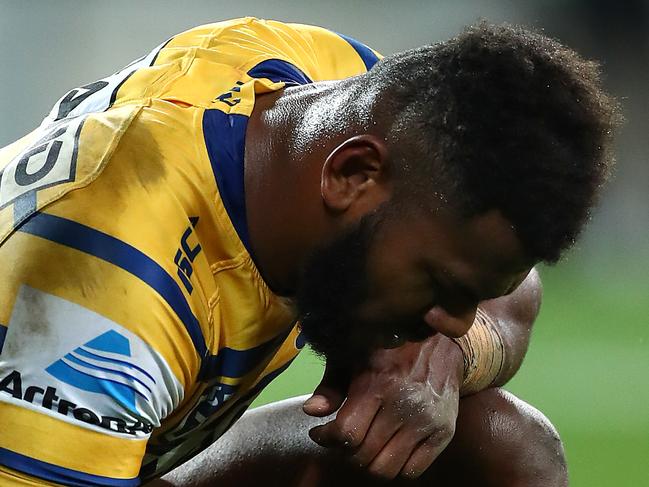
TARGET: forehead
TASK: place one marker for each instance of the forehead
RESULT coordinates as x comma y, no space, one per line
480,254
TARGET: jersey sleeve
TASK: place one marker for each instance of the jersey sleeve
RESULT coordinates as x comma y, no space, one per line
98,340
109,307
88,363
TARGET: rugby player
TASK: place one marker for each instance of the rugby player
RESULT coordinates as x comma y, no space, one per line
165,228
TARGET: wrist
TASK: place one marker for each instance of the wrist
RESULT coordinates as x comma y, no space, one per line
448,355
483,352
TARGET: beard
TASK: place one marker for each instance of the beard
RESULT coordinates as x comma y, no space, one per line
333,285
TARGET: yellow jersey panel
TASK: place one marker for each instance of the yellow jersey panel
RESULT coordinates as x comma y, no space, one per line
135,327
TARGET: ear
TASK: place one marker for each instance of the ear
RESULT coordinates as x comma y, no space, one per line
355,174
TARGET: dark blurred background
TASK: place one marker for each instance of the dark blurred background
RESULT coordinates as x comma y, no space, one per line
588,365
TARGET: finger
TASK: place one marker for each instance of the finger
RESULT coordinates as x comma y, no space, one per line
322,437
393,456
323,402
350,426
423,456
354,418
379,434
329,395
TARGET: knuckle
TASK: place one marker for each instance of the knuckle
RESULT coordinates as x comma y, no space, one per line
433,446
441,428
433,443
367,451
433,426
348,433
447,430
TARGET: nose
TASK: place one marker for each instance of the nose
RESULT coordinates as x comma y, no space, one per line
452,324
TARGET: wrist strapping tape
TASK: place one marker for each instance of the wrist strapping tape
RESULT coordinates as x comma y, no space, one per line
484,354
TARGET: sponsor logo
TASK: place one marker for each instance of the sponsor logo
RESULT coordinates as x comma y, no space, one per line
103,366
47,397
83,368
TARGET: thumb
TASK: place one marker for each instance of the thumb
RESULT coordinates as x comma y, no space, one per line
330,393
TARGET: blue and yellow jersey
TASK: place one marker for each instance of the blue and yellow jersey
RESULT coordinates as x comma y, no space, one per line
134,325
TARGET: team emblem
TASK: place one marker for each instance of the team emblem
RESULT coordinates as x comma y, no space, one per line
50,161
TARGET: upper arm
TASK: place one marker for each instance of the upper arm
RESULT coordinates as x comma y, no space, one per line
521,306
88,364
514,316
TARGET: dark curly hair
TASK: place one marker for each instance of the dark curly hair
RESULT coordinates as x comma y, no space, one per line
501,118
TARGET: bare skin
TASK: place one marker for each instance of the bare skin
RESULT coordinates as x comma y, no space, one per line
401,378
500,441
362,209
320,191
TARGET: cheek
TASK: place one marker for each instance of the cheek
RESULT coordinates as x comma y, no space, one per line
397,283
396,289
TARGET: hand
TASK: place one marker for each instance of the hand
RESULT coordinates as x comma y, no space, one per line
400,410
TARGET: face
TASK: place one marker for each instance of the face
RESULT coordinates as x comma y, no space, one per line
404,275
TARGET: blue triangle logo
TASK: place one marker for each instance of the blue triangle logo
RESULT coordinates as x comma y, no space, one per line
90,369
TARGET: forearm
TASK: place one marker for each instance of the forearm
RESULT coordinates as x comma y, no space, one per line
495,346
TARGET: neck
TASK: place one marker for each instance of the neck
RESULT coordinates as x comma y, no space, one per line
284,218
